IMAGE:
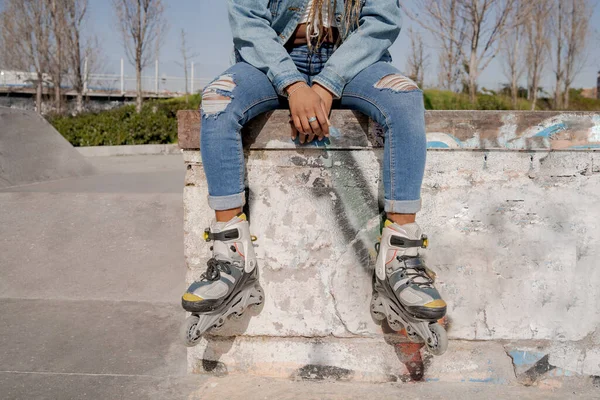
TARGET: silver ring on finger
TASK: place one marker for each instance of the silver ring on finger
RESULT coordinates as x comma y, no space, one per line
312,119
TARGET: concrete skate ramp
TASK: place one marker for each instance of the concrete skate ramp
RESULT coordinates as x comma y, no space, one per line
31,151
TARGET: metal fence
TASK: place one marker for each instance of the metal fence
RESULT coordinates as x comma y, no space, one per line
112,83
151,84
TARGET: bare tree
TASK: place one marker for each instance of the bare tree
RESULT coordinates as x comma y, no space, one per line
452,56
186,56
26,39
537,31
57,14
417,59
79,52
474,26
571,28
442,18
141,23
511,49
487,23
559,40
2,45
577,28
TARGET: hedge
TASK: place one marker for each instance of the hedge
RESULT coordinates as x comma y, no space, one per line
157,123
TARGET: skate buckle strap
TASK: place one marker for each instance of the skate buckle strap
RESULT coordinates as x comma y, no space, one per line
413,262
224,236
408,243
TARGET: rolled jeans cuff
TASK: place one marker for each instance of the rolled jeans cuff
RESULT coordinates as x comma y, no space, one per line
222,203
402,206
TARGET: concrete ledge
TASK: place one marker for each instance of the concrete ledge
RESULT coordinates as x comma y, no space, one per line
129,150
475,130
513,239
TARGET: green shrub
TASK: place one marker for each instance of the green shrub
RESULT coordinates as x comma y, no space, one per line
446,100
580,103
157,123
490,102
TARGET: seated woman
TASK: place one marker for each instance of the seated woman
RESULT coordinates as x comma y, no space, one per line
303,55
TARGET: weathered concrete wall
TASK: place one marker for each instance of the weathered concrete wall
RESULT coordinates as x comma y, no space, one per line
513,234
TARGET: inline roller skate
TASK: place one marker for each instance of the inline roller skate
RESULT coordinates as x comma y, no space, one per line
403,290
229,285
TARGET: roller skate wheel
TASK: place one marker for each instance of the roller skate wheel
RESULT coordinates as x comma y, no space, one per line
187,331
377,316
413,336
237,316
218,325
439,345
259,299
395,324
374,301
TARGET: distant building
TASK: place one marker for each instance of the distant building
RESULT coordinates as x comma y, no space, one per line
589,93
593,93
21,79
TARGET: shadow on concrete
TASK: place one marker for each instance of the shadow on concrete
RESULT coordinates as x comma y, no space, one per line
218,345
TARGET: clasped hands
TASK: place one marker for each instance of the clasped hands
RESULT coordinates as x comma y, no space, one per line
309,111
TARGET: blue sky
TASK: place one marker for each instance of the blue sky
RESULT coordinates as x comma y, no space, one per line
205,22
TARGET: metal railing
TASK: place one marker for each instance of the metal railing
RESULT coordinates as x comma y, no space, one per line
111,83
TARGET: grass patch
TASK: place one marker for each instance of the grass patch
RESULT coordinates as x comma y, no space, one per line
445,100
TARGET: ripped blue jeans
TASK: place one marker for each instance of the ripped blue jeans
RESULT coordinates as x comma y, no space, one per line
379,91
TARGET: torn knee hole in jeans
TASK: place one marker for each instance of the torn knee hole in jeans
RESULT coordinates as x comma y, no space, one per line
217,96
397,83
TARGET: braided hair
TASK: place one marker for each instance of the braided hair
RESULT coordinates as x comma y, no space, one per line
315,32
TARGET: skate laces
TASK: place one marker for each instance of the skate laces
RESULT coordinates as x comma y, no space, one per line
415,270
213,271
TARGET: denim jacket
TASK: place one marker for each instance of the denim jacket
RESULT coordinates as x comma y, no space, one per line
260,29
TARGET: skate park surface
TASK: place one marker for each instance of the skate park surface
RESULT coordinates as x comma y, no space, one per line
91,272
102,323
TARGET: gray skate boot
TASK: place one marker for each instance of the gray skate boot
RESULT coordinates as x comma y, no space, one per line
403,288
229,285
